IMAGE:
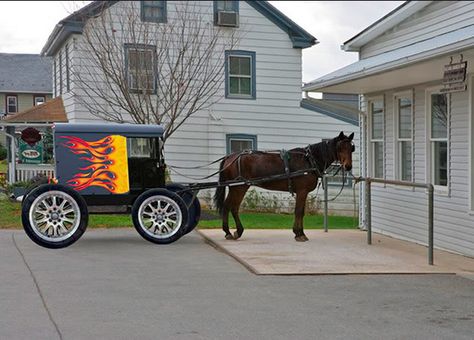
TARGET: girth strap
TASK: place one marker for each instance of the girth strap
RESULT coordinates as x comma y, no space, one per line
285,156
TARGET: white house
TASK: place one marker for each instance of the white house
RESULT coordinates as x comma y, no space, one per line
416,76
270,116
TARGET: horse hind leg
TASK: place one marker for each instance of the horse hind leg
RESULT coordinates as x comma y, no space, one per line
225,225
238,194
225,219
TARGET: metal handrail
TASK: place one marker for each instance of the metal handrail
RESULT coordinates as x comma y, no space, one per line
368,212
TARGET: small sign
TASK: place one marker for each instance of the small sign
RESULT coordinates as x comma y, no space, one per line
454,78
30,154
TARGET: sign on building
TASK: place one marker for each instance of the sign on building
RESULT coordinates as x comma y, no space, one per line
30,154
454,78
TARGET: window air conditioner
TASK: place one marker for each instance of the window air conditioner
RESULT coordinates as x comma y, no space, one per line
225,18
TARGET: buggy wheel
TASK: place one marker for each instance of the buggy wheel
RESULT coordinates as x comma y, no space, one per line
54,216
160,216
194,210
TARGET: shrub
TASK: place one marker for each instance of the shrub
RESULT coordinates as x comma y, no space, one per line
3,152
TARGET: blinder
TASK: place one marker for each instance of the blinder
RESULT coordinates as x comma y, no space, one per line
353,147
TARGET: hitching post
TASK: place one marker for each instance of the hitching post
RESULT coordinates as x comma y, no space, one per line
325,185
430,223
368,212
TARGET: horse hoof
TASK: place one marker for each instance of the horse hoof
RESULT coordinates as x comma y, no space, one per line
229,237
236,235
301,238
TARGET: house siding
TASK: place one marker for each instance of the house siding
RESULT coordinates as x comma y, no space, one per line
24,100
275,116
435,19
403,212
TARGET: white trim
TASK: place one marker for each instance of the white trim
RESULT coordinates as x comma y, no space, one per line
440,189
384,24
396,140
371,141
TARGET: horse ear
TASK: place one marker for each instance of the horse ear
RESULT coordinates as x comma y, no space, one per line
341,135
351,136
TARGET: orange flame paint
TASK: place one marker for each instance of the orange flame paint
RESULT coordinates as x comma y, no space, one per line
108,166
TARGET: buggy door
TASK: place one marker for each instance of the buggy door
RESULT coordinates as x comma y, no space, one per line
144,163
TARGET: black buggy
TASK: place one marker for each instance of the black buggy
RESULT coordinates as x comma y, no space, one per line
108,165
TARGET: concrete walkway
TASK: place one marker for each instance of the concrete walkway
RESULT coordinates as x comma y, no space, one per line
274,252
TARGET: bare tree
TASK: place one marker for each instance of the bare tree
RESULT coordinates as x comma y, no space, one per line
146,72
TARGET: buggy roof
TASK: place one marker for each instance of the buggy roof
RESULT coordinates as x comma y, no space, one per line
130,130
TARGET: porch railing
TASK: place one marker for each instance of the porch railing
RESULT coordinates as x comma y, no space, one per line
25,172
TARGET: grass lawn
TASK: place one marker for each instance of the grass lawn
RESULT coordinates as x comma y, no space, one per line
3,166
282,221
10,218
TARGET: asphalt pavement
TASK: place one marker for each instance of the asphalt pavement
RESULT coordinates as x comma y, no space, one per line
112,284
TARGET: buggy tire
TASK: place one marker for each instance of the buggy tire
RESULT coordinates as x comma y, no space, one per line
160,216
194,211
54,216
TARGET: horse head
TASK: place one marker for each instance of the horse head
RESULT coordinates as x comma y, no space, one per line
344,149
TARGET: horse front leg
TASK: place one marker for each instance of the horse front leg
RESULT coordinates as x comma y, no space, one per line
299,214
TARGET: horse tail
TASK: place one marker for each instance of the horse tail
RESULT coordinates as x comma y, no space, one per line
219,196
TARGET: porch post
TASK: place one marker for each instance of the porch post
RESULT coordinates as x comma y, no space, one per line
11,152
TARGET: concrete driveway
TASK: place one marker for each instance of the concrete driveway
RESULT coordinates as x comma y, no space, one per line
274,252
114,285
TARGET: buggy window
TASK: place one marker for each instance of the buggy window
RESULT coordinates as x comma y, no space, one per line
141,148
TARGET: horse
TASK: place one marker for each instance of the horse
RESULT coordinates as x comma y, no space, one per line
253,166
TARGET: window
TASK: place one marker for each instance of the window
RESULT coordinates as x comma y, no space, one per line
225,6
241,142
153,11
12,104
404,137
438,105
39,100
376,108
240,74
60,73
140,67
55,82
68,82
139,147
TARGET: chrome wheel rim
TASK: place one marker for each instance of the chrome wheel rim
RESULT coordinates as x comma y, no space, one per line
54,216
160,216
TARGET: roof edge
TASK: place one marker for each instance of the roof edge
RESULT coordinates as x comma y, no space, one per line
388,21
300,37
306,103
74,23
321,83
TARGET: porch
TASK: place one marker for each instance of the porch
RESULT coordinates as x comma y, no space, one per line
28,158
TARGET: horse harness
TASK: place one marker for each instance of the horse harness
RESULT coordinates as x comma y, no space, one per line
285,156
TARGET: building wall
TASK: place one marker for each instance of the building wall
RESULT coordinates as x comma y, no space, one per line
435,19
403,212
275,116
24,100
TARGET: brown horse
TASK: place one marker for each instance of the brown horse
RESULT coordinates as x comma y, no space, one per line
252,165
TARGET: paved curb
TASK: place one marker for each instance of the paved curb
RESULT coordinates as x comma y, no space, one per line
215,245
